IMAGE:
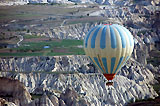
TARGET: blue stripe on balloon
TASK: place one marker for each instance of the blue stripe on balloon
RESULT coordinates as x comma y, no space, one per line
97,62
104,60
93,39
129,35
120,61
123,40
103,38
113,59
88,35
113,38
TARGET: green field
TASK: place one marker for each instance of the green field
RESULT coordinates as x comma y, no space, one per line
35,46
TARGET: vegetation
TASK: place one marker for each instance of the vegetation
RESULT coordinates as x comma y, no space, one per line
32,36
142,32
154,58
40,46
153,61
32,11
36,96
143,100
20,54
78,51
140,101
37,4
85,20
156,87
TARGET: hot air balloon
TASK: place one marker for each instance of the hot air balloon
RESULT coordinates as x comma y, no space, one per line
109,47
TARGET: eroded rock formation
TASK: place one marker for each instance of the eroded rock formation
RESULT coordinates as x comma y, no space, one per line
132,82
14,91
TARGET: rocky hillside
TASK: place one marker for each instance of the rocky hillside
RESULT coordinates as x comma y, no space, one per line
90,87
18,96
74,80
131,83
13,91
48,64
105,2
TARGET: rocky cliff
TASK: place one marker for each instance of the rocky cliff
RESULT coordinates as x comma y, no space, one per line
106,2
48,64
131,83
69,98
50,77
90,87
13,91
72,63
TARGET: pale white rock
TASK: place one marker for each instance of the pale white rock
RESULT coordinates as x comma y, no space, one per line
38,1
61,103
54,100
147,40
58,1
10,104
81,1
10,3
133,92
45,101
90,85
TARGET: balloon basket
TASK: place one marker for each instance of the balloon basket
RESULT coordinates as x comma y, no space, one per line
109,83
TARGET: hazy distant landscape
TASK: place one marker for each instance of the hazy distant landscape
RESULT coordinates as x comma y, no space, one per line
41,46
25,20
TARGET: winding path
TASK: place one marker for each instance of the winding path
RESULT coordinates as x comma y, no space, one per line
63,23
20,40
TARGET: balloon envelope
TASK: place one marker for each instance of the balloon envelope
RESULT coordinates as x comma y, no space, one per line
109,47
